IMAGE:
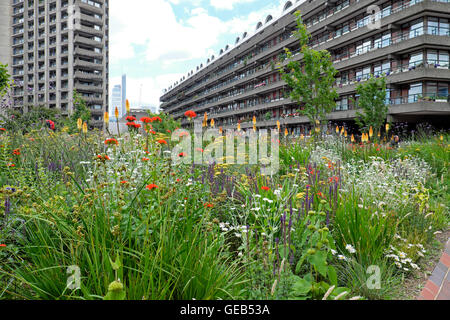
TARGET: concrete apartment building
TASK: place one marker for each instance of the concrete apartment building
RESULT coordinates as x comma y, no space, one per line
411,46
54,47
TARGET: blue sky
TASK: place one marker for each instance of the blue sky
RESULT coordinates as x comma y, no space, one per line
156,42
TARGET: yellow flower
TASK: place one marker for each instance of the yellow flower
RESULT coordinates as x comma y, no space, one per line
387,127
79,123
442,138
337,129
278,125
85,129
302,137
239,127
127,103
371,132
353,138
345,133
286,132
212,123
116,113
342,131
300,195
106,117
254,120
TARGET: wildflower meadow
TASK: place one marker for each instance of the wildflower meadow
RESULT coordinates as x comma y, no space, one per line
86,215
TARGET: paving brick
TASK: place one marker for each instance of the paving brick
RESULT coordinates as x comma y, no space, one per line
445,259
439,273
443,295
434,289
427,294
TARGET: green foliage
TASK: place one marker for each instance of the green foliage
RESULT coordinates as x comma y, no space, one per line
80,111
311,80
372,100
4,79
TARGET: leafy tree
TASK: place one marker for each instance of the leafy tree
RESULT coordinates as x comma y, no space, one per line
372,100
311,81
4,79
80,111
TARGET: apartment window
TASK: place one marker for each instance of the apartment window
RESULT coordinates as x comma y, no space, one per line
416,28
415,90
438,26
415,59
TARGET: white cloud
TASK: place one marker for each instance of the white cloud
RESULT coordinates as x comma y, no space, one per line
167,39
227,4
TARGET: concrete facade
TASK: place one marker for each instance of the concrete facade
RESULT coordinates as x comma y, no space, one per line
5,33
411,47
57,47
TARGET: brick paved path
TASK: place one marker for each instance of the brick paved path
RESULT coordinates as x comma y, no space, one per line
438,285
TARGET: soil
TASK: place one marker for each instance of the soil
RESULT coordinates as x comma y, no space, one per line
412,285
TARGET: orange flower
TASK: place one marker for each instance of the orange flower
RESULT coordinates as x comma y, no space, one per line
2,245
208,205
16,152
123,182
162,142
3,129
103,157
190,114
265,188
152,186
146,120
145,159
111,141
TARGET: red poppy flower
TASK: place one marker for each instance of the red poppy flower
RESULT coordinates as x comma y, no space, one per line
146,120
137,125
168,131
123,182
16,152
130,118
265,188
3,129
152,186
190,114
131,124
10,165
156,119
208,205
182,155
178,180
162,142
2,245
111,141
